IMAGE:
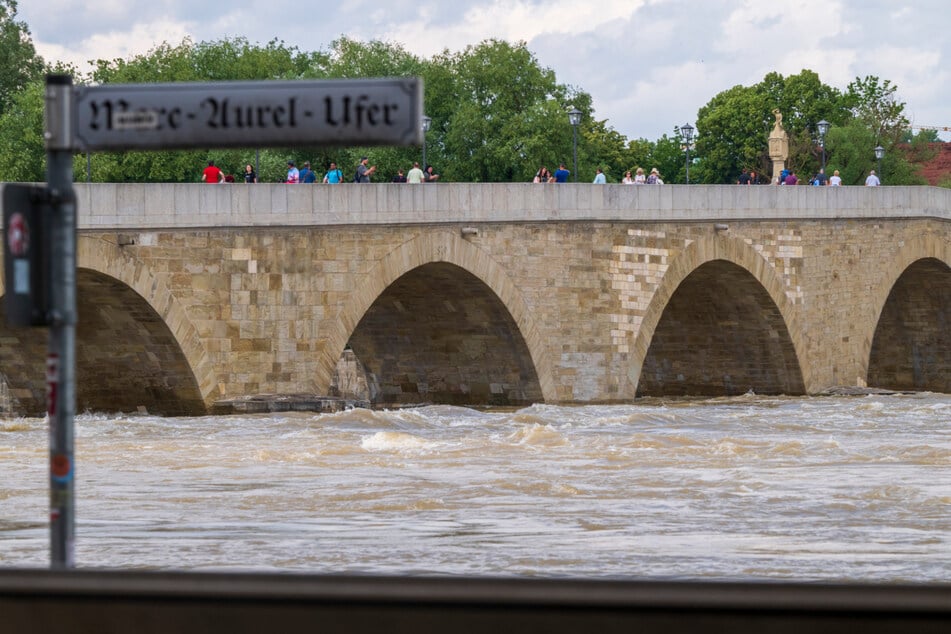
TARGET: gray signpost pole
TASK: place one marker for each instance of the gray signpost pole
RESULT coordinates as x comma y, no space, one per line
61,356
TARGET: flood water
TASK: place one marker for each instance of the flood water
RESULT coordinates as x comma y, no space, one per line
822,488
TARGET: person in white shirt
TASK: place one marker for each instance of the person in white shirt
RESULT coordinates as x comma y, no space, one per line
835,180
415,175
872,180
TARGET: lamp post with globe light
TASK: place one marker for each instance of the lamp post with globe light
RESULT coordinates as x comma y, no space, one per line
425,122
574,118
823,127
686,133
879,155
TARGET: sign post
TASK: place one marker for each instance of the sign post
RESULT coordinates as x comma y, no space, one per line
39,223
61,355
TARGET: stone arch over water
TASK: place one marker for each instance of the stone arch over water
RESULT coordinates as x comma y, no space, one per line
720,323
134,344
909,342
437,320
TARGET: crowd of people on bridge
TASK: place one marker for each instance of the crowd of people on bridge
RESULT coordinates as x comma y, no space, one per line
364,173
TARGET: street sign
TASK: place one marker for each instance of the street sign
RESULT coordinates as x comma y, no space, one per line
248,114
26,285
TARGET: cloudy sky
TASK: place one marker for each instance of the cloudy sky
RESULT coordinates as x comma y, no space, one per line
648,64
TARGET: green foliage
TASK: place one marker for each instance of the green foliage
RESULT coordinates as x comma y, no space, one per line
733,128
22,153
923,136
500,114
852,152
732,131
19,63
876,104
669,157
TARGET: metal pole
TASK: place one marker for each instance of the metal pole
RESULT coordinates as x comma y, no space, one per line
687,163
424,150
575,145
880,172
822,144
257,166
88,167
61,359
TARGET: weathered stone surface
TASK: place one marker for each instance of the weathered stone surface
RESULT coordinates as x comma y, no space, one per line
574,300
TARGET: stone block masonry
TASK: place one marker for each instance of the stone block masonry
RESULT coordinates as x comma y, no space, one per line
500,293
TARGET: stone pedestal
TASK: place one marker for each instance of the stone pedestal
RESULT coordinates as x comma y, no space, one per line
778,146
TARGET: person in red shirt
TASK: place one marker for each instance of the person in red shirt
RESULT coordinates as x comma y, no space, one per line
212,174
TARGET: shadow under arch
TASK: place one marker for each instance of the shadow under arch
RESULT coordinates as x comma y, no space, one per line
134,344
445,258
908,346
719,323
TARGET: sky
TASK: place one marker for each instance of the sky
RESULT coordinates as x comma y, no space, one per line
649,65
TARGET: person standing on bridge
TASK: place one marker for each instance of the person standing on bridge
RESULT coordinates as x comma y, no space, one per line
835,180
415,175
250,176
599,178
306,174
561,174
212,174
872,180
293,174
333,175
364,172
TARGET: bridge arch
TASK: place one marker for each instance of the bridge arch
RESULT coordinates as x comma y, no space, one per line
135,346
724,273
445,258
908,341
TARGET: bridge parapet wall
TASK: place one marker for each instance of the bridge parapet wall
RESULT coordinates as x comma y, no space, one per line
145,206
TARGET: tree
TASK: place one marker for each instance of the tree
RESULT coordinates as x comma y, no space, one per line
733,128
876,104
22,153
19,63
668,156
498,114
607,149
852,152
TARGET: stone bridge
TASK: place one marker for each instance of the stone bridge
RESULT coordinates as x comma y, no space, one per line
497,293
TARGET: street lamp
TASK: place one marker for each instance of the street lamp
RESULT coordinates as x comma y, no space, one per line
823,127
879,155
574,118
686,133
426,122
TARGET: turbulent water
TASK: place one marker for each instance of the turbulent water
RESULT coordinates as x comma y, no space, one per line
832,488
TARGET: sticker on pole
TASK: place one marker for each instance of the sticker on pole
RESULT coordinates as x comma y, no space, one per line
18,235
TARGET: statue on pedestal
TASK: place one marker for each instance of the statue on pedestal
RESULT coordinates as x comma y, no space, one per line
778,146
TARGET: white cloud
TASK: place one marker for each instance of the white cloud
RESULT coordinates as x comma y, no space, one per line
140,38
510,20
